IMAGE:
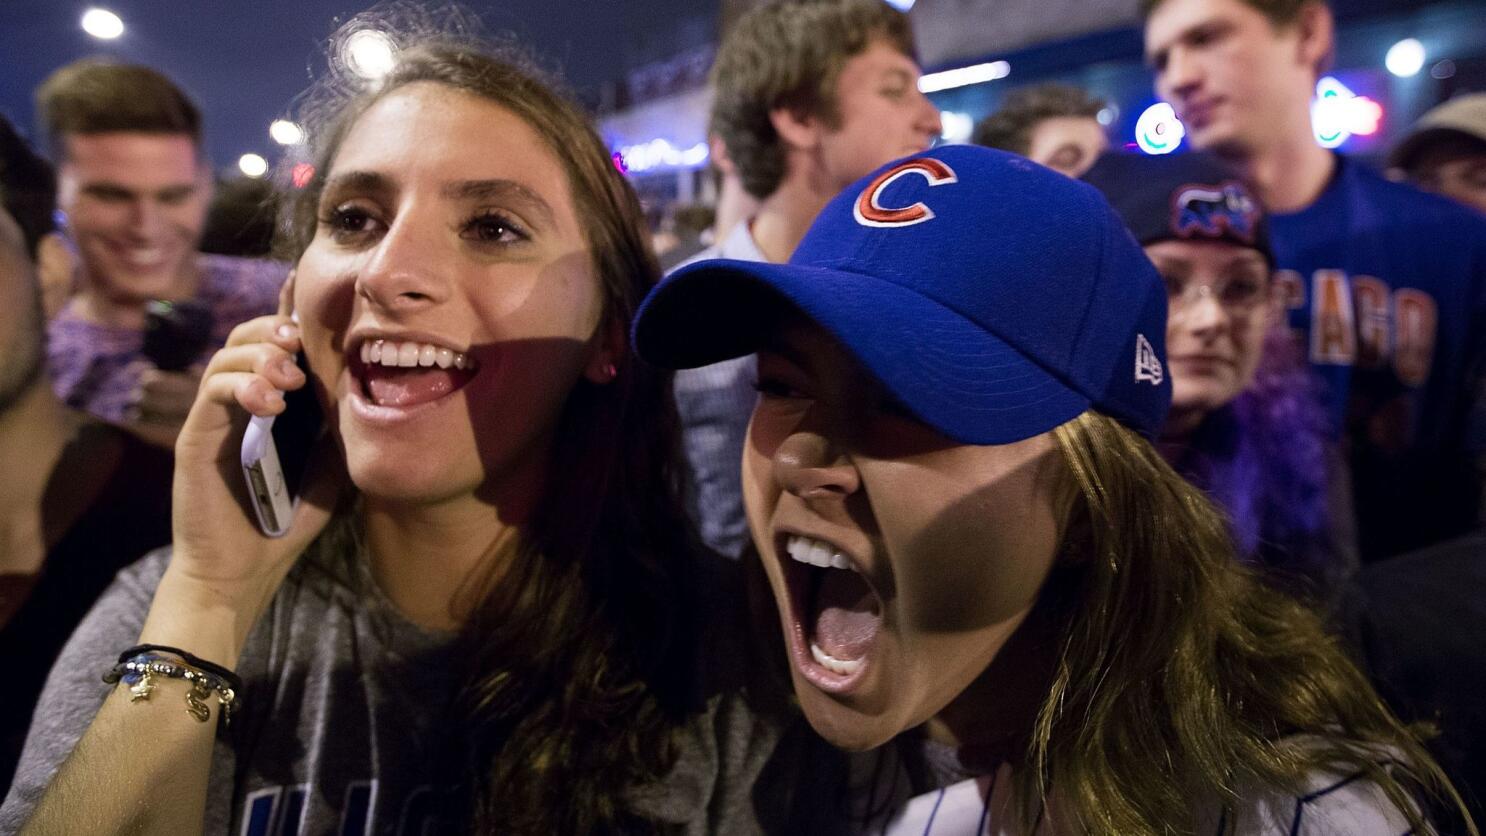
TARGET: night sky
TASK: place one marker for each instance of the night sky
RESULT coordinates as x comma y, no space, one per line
244,62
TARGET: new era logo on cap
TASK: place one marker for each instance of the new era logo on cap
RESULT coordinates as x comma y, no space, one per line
1147,362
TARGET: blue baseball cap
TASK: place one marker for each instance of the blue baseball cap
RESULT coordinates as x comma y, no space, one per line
995,298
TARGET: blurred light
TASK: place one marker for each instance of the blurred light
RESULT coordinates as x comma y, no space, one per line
369,53
1158,131
1443,69
252,165
901,5
973,74
1405,58
658,153
1107,115
1337,114
301,175
619,163
102,24
957,126
285,132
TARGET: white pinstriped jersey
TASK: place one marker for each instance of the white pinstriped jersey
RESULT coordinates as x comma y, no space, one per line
1331,805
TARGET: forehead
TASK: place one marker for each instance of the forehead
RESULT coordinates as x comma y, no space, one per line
880,57
1068,128
131,158
430,134
1173,19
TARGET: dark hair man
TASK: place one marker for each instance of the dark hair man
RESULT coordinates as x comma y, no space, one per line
134,187
1386,285
1056,125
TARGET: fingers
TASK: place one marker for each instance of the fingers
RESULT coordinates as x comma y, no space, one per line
164,397
268,360
277,330
248,390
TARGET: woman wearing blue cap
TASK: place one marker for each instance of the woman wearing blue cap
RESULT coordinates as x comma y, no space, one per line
987,578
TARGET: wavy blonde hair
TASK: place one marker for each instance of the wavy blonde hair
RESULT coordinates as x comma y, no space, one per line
1180,675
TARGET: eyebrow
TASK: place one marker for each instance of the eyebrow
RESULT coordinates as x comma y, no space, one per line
507,191
357,181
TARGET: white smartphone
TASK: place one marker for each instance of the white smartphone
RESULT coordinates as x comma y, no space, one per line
275,453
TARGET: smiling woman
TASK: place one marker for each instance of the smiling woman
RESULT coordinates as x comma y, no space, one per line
497,622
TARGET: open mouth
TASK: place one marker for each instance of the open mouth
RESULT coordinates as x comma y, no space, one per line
837,614
406,373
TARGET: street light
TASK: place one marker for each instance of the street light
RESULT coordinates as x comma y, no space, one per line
285,132
1405,58
252,165
102,24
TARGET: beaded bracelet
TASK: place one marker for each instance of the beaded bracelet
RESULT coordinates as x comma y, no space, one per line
139,672
231,678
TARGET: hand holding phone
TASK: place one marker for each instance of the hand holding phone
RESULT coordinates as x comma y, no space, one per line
275,454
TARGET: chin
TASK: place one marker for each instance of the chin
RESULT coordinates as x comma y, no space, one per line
841,726
395,478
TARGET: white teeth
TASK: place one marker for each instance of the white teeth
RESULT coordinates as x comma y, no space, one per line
412,355
832,664
816,553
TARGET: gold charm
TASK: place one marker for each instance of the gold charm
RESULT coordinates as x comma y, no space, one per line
142,689
194,703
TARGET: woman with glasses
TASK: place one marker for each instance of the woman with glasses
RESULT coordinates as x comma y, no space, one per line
1246,421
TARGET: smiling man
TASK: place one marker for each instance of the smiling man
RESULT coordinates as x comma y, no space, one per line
133,188
1384,284
810,96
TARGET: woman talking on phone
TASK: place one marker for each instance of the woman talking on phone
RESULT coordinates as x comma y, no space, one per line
494,625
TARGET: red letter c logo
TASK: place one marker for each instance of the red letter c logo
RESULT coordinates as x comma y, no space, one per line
870,212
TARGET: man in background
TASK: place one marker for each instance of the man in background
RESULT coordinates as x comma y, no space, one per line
810,96
134,188
1385,285
1056,125
1445,151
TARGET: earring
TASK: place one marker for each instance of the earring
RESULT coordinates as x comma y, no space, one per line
610,371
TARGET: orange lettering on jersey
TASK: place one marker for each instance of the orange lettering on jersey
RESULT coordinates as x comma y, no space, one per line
1373,318
1417,326
869,209
1290,289
1332,338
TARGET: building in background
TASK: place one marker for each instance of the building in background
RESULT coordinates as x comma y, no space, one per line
1395,59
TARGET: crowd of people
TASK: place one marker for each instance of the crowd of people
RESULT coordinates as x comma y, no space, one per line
1015,487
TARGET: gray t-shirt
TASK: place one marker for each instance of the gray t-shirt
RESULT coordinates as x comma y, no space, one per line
337,728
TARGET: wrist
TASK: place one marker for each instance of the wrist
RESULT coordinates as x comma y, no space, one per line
200,616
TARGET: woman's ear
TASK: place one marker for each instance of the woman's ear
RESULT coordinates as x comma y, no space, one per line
607,352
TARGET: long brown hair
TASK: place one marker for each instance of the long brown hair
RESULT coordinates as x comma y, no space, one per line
1179,666
577,658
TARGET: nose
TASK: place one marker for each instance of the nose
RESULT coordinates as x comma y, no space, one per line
405,269
810,466
1180,78
1204,316
928,119
146,219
